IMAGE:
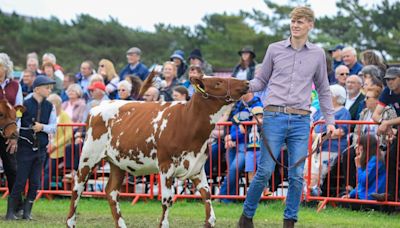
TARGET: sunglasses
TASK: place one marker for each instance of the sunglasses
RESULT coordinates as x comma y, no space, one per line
342,74
366,97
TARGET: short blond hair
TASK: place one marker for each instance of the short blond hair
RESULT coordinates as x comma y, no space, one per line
303,12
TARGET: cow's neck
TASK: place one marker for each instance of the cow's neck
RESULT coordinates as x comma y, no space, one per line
207,111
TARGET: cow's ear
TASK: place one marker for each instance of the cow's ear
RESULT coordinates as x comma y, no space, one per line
19,109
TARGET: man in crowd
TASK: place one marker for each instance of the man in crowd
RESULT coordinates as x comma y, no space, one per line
134,66
341,74
349,56
152,94
354,100
336,54
84,75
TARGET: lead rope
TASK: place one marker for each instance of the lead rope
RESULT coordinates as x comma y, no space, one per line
324,137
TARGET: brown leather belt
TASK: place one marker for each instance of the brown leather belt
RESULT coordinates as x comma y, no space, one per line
287,110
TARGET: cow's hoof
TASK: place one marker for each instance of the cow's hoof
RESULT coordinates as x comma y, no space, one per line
208,225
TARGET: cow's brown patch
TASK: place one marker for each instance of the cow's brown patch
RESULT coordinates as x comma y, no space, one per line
100,128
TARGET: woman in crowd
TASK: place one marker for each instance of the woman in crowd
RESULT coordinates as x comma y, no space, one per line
75,105
369,57
110,76
246,67
178,57
124,90
170,81
180,93
12,92
49,69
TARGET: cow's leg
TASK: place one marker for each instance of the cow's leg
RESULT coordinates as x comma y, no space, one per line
167,196
80,180
200,181
112,192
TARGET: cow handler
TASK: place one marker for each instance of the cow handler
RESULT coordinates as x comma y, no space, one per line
37,122
289,68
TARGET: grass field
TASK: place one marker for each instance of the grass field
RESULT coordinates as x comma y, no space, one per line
96,213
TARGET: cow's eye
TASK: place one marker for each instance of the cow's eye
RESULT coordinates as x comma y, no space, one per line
1,115
218,84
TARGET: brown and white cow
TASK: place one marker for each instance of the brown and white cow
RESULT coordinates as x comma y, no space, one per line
169,138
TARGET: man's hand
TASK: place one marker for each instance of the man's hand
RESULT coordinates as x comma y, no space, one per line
357,161
37,127
11,146
330,130
383,128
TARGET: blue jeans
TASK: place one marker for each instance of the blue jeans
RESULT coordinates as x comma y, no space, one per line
236,161
278,128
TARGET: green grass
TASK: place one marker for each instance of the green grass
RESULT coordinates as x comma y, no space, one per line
96,213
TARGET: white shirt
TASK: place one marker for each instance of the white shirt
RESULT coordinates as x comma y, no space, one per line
350,101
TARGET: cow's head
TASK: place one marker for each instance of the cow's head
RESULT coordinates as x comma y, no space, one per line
8,118
228,89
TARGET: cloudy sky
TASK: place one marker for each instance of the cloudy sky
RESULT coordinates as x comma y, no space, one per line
145,13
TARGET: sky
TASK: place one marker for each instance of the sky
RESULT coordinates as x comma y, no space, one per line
144,14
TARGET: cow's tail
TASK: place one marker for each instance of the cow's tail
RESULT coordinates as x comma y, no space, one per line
147,83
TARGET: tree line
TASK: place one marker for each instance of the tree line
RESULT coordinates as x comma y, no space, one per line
219,37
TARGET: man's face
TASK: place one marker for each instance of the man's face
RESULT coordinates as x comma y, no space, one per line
341,75
32,65
28,78
96,94
394,84
348,58
86,70
353,85
299,27
337,54
132,58
149,95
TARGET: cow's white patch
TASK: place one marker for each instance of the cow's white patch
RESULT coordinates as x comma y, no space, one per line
108,109
163,126
121,222
156,120
214,118
150,139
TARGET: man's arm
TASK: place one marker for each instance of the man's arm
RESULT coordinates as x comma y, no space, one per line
263,75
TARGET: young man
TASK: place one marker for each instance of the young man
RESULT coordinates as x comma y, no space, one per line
37,122
287,71
390,96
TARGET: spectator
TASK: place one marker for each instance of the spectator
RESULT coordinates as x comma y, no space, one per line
111,79
336,54
180,93
32,64
93,79
236,139
136,83
349,56
169,74
26,83
369,71
48,69
69,79
178,57
55,151
390,96
35,127
58,70
246,67
75,106
134,65
330,71
12,92
151,94
124,90
354,100
330,148
86,72
341,74
369,57
372,83
98,94
371,169
196,59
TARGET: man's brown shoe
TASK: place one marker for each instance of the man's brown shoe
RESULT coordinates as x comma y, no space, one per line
245,222
381,197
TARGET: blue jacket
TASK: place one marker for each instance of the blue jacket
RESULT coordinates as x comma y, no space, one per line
370,172
140,70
